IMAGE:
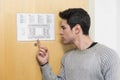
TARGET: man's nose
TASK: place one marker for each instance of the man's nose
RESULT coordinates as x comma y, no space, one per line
61,32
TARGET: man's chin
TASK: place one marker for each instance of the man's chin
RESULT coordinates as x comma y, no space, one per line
66,43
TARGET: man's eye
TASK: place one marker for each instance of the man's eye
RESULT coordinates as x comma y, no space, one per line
63,28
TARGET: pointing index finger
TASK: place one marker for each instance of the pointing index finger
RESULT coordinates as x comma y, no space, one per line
38,43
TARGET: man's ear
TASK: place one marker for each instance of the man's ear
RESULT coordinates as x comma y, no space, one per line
77,29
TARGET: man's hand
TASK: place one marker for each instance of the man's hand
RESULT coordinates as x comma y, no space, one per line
42,55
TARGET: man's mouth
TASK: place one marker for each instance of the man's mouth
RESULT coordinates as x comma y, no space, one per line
62,38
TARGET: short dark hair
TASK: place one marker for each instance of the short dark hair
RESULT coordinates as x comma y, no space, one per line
77,16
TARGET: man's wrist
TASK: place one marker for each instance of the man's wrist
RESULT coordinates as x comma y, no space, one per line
43,64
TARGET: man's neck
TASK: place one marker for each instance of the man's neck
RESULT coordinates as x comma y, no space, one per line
83,42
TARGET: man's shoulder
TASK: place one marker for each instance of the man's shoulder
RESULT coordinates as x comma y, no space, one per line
105,52
105,49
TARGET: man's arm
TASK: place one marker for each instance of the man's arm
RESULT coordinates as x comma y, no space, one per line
42,58
113,73
111,66
48,74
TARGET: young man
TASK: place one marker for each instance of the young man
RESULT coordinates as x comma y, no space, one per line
89,61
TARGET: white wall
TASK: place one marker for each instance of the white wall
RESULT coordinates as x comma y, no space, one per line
118,25
106,25
91,11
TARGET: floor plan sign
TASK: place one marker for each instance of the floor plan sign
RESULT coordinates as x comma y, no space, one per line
35,26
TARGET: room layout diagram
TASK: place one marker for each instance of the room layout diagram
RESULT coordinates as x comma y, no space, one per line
35,26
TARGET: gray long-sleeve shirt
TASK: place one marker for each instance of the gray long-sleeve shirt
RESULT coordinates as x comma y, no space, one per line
96,63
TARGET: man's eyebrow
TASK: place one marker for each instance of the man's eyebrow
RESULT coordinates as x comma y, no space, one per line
62,26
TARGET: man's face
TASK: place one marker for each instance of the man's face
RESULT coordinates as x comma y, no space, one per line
66,33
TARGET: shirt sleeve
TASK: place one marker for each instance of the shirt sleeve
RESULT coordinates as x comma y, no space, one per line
111,66
48,74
